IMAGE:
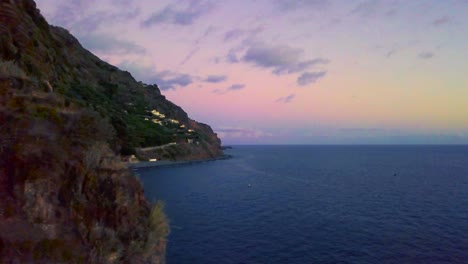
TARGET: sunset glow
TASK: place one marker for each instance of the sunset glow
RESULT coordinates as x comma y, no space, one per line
301,72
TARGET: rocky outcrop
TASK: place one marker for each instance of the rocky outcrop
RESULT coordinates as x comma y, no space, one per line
65,197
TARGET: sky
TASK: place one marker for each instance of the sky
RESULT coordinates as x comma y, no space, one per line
292,71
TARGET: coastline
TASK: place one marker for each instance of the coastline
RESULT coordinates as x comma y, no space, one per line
170,163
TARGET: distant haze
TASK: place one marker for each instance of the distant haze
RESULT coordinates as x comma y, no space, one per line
292,71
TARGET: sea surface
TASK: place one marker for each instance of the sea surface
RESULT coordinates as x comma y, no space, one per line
318,204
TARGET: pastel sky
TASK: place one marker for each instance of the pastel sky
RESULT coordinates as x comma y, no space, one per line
292,71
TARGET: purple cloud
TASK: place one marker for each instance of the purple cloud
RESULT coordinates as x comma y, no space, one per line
299,67
272,56
83,18
241,33
166,80
232,57
170,81
310,77
234,87
233,34
371,8
241,133
106,44
215,78
287,5
281,59
286,99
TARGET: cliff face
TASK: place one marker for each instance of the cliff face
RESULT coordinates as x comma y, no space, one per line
65,115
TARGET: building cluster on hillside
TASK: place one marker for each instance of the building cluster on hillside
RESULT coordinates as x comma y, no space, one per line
183,134
158,114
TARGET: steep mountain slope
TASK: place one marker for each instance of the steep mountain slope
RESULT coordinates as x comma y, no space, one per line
52,56
65,115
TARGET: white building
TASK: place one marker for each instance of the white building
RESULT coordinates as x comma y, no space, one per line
157,113
156,121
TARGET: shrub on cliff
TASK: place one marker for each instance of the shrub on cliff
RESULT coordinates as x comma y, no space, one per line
157,225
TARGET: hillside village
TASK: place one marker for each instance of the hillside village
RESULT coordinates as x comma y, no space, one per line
181,135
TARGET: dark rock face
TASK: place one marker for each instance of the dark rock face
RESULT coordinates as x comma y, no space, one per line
65,196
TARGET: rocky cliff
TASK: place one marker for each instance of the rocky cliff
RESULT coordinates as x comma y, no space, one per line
65,118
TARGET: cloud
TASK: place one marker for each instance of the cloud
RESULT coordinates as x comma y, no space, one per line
166,80
233,34
426,55
124,3
84,17
232,57
170,81
310,77
281,59
234,87
286,99
138,69
371,8
184,16
238,33
215,78
106,44
67,13
299,67
441,21
92,24
241,133
272,56
288,5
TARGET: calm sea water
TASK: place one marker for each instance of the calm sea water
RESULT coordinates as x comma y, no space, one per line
318,204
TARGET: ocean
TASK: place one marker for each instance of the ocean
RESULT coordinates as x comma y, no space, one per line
317,204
